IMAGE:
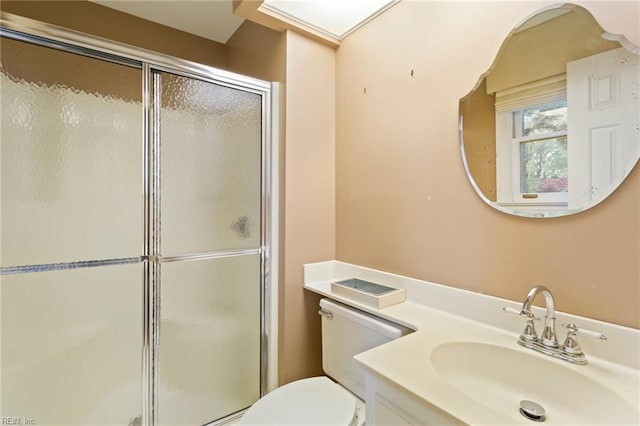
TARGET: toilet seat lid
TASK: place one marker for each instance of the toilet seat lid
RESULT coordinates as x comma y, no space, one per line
314,401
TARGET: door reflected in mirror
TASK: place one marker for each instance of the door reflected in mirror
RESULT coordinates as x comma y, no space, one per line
553,128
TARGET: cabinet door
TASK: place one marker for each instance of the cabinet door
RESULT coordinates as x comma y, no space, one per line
386,413
391,405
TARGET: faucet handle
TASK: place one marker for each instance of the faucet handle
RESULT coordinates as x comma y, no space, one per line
573,330
529,333
572,349
528,315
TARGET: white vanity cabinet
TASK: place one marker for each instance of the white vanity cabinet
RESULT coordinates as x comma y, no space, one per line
390,405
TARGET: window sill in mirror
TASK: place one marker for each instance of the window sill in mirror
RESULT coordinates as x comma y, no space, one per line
540,209
538,205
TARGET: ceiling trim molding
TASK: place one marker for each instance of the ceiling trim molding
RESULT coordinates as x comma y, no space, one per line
251,10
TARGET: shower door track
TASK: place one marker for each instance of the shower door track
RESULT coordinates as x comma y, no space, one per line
48,35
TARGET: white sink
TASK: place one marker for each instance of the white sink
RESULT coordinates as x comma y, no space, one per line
499,378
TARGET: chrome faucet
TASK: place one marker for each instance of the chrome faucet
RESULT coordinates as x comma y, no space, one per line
549,338
570,350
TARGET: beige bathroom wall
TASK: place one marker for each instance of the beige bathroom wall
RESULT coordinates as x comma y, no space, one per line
403,201
257,51
309,200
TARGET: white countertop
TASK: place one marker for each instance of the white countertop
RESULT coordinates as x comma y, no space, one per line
442,314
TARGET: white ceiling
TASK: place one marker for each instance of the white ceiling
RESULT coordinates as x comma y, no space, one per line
214,19
334,18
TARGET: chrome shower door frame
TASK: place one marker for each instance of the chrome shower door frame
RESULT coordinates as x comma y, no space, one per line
43,34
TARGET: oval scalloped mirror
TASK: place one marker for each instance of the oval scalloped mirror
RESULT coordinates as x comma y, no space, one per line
553,128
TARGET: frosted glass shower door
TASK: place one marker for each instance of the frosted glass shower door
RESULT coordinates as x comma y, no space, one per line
209,339
71,157
70,238
210,222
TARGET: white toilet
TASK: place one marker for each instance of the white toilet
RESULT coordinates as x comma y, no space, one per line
319,400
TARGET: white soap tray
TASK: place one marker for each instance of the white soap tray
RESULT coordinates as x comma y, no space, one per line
371,294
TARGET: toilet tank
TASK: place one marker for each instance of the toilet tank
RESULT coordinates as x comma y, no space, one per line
347,332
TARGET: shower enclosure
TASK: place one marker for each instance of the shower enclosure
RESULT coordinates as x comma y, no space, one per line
135,234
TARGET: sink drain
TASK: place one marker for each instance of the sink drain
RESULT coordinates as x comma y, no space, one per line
532,411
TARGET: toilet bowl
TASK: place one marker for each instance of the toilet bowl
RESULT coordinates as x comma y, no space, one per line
346,332
313,401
